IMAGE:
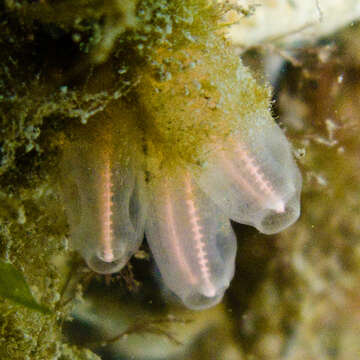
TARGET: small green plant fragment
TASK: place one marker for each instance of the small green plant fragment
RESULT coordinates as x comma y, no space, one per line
14,287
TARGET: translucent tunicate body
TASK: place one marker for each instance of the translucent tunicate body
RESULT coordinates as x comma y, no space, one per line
103,201
193,244
253,178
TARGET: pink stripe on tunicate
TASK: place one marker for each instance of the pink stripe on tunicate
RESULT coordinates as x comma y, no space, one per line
259,179
200,245
179,254
107,254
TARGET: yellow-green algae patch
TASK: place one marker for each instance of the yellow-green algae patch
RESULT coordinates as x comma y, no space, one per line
196,96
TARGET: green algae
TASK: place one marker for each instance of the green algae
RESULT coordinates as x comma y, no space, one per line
14,287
